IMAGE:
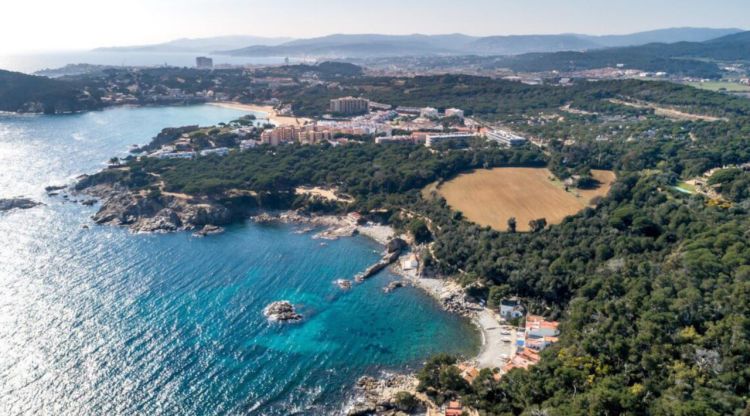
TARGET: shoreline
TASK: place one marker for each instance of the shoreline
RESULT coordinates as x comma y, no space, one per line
270,112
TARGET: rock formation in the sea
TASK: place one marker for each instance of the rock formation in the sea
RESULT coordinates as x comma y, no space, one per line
344,284
17,203
282,311
54,188
393,286
208,229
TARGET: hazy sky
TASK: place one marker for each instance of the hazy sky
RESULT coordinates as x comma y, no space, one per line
37,25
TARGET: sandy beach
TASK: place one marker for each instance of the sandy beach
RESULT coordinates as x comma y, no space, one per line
273,116
493,346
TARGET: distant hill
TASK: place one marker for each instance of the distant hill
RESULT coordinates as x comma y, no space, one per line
200,45
515,45
672,35
33,94
343,46
681,58
375,45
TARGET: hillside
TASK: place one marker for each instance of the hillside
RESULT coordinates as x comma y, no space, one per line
34,94
199,44
682,58
377,45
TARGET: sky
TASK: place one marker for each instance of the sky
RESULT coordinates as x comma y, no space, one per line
28,26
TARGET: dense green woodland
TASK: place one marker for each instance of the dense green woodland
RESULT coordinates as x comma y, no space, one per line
652,287
27,93
494,99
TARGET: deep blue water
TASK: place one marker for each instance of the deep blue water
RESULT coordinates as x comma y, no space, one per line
101,321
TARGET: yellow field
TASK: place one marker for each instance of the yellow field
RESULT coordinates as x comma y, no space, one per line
490,197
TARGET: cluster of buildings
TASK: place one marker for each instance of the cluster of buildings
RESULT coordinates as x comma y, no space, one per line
169,152
538,334
419,125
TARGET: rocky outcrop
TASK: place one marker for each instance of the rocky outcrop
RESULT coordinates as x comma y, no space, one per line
395,245
379,396
162,213
208,230
393,286
17,203
54,188
344,284
281,311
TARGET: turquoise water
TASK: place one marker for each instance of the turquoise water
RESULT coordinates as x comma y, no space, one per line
101,321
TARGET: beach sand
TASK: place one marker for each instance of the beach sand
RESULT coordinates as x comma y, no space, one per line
273,116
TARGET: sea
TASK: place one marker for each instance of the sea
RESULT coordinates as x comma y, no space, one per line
96,320
32,62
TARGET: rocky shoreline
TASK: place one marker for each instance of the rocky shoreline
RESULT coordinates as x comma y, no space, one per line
380,396
163,213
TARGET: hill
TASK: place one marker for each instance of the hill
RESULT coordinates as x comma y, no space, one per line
199,44
377,45
682,58
33,94
671,35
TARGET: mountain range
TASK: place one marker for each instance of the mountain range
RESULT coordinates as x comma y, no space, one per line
698,59
200,45
376,45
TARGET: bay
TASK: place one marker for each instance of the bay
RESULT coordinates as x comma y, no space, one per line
101,321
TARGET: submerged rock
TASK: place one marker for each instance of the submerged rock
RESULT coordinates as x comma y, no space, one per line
208,229
282,311
17,203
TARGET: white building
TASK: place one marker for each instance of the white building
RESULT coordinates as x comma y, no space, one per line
454,112
511,309
220,151
506,138
175,155
429,112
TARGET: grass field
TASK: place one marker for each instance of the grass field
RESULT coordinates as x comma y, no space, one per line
491,197
721,86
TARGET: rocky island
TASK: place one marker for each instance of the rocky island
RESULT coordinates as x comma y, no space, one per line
281,311
17,203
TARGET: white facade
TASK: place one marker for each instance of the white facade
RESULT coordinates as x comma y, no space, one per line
221,151
429,112
454,112
506,138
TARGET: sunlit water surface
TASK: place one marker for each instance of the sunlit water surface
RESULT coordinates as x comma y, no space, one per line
101,321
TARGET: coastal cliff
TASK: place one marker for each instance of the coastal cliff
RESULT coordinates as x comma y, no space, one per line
155,213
